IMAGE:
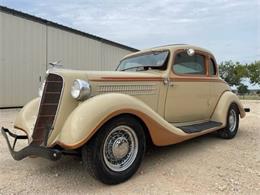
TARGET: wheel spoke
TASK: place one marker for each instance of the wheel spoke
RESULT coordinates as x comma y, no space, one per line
232,120
120,148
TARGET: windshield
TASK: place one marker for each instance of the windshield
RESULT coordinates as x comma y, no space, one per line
151,60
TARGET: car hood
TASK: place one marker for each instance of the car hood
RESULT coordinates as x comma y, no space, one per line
107,75
102,82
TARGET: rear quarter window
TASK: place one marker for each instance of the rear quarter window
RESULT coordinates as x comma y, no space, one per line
212,67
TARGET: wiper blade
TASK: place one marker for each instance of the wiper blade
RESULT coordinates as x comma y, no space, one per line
138,67
135,67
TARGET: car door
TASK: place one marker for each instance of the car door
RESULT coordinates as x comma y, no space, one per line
188,95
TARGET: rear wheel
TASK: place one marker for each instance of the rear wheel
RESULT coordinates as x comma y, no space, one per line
231,128
114,154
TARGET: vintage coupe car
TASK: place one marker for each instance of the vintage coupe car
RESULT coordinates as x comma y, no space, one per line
163,96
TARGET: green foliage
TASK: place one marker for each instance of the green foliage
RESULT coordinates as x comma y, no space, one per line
242,89
232,72
254,72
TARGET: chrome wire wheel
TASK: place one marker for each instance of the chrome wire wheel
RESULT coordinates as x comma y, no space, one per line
120,148
232,120
116,151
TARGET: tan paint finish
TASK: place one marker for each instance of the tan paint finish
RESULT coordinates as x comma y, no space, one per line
216,91
194,90
26,118
196,98
68,104
143,94
221,110
76,131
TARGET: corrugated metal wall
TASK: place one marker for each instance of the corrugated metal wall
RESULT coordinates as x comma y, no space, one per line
22,59
79,52
26,48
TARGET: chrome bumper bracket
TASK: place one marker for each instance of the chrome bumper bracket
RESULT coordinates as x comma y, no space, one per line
31,149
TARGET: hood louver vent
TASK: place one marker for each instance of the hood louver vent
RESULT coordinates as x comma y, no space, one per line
147,89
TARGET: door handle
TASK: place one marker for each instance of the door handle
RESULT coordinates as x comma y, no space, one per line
168,82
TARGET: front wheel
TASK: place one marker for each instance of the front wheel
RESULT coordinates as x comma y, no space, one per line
232,123
114,154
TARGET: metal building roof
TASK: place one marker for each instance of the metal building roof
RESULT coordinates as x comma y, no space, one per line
62,27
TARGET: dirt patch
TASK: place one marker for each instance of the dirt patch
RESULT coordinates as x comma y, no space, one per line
203,165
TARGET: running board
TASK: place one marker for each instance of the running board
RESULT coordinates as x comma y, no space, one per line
200,127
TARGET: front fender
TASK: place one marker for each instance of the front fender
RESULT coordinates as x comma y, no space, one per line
221,110
27,116
90,115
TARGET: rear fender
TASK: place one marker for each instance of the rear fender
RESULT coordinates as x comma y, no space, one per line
221,110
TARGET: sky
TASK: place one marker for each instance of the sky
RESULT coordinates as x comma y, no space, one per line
228,28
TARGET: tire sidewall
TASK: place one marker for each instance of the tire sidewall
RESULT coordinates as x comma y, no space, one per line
230,133
104,172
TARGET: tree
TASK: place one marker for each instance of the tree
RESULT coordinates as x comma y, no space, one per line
242,89
232,72
254,72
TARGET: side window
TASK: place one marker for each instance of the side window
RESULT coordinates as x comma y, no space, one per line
185,64
212,67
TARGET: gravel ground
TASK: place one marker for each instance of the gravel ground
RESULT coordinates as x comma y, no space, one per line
203,165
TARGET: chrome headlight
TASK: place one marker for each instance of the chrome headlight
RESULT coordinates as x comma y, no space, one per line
80,90
41,88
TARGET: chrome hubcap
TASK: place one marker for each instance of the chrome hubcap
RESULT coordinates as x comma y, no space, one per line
120,148
232,120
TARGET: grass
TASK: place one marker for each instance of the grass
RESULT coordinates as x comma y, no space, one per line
249,97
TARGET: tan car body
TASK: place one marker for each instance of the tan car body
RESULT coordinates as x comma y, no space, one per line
161,100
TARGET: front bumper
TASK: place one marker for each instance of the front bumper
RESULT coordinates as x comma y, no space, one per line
31,149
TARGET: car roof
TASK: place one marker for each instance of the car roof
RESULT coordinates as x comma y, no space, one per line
171,47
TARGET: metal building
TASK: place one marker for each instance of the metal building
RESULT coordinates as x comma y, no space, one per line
28,44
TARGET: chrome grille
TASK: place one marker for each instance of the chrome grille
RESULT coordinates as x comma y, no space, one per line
48,108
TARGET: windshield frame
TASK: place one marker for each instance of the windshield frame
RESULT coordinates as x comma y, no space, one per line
147,53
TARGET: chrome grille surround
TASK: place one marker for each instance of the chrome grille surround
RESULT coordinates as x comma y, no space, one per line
48,109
